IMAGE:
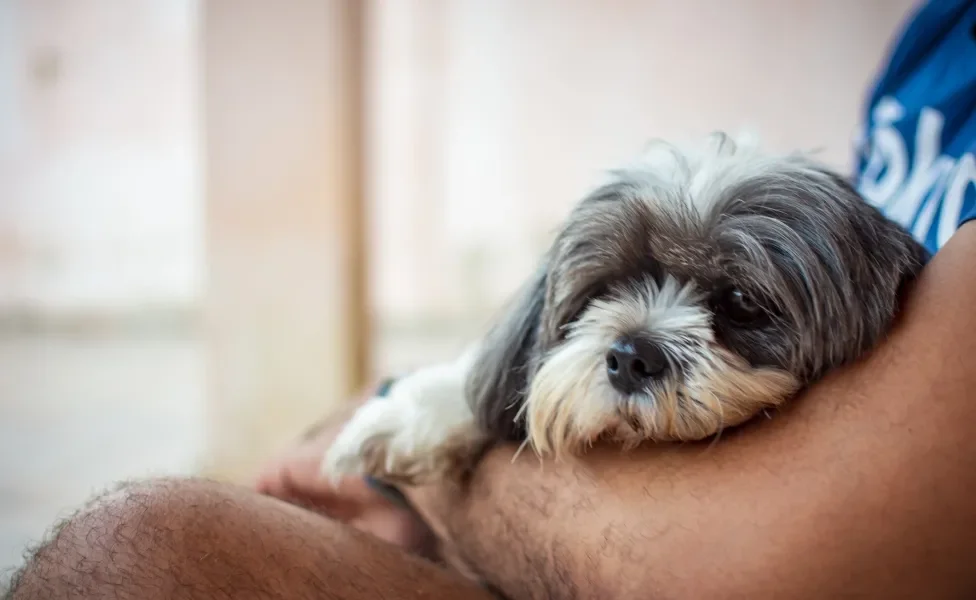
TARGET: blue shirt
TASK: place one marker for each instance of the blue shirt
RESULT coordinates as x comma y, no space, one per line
915,154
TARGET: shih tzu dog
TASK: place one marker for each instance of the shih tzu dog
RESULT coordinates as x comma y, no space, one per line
690,292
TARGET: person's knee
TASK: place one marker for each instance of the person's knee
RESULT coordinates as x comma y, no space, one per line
134,522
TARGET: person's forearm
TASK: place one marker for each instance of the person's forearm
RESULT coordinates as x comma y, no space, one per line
862,488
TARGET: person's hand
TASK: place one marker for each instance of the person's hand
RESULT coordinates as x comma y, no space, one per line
295,477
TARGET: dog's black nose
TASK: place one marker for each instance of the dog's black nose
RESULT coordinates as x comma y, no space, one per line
633,361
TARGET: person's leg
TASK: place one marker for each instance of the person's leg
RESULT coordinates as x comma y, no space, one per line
190,539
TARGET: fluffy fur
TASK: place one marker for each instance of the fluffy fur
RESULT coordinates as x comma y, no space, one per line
691,291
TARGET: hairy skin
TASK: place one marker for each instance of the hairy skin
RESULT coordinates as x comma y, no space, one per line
862,490
194,539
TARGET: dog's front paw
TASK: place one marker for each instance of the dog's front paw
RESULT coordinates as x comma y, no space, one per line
372,444
398,440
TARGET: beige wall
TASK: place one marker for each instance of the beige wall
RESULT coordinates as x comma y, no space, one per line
487,119
99,156
286,314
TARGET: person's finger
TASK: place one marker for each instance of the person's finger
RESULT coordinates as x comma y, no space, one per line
298,468
299,482
268,481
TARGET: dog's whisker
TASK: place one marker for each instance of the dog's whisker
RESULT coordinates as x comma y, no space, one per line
518,450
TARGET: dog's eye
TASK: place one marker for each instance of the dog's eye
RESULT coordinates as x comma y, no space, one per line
739,307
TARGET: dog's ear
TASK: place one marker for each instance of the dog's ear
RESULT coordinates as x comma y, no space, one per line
883,259
896,256
499,378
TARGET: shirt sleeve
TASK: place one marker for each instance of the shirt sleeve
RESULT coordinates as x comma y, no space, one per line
968,212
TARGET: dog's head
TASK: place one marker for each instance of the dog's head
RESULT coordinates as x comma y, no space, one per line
688,293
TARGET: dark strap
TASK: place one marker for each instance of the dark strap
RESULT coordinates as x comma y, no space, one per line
386,490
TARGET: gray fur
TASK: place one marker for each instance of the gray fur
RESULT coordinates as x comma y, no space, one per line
829,267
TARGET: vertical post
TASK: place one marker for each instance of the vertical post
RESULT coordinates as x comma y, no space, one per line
286,318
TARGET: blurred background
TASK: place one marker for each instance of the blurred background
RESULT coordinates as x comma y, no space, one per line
218,218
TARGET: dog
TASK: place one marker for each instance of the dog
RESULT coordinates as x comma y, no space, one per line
694,289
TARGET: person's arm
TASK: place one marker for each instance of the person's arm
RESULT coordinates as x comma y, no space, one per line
866,487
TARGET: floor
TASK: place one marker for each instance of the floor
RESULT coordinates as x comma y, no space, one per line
77,413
